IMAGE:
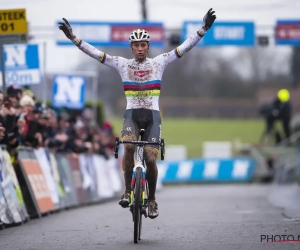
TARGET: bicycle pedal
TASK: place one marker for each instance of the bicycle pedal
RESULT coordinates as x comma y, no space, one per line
145,213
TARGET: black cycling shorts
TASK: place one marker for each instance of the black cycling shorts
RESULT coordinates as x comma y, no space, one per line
136,119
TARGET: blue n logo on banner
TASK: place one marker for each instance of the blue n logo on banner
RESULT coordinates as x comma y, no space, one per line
69,91
22,65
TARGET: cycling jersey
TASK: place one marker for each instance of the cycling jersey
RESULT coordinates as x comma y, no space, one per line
141,80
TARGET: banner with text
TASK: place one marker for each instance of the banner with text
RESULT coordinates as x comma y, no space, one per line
287,32
112,34
222,33
22,64
69,91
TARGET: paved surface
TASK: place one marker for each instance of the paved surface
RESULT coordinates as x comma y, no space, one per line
191,217
287,197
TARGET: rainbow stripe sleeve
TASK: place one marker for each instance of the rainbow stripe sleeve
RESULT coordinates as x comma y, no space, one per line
102,58
133,89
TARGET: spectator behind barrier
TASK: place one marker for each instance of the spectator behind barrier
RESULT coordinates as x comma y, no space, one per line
25,121
8,121
30,135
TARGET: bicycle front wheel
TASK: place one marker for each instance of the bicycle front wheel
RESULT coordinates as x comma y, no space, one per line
137,205
140,228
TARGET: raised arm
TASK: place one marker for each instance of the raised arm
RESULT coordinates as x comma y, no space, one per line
189,43
112,61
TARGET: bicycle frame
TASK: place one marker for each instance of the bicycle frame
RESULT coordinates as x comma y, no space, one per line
140,162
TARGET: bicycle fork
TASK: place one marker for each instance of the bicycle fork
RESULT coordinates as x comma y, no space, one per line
133,180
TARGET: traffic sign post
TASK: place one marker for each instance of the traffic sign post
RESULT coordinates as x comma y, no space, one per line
13,29
3,69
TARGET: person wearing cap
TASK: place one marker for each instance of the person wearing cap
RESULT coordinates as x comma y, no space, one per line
27,104
27,118
281,110
15,94
27,91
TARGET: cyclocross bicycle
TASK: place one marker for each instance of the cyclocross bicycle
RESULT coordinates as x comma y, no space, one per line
139,186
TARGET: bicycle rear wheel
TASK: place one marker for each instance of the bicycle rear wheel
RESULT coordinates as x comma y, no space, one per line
137,205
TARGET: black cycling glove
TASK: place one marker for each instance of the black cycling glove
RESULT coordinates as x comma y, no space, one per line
66,28
209,18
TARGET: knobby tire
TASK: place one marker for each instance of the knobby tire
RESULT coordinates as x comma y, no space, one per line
137,202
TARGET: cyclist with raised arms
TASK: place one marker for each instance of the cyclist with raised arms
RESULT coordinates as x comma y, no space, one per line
141,78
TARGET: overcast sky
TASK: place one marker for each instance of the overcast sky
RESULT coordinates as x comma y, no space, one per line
171,12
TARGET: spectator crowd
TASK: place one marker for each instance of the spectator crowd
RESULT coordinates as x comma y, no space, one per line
26,122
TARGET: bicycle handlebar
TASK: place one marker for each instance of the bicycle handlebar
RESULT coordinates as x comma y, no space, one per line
140,143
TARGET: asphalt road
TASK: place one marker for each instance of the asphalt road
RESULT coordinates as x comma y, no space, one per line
191,217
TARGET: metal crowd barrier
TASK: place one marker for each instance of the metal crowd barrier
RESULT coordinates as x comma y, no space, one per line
43,182
285,187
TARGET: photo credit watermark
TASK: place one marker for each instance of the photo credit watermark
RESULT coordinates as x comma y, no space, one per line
273,238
